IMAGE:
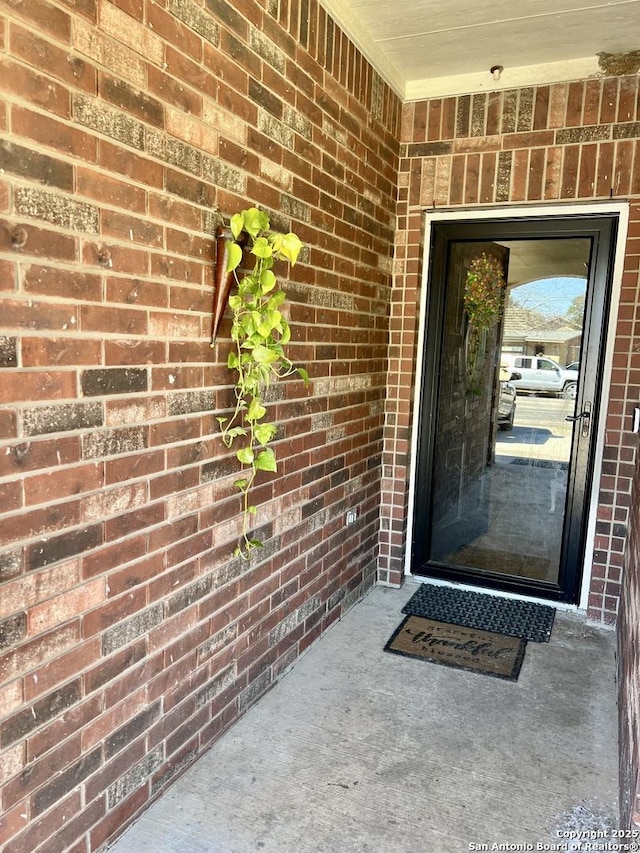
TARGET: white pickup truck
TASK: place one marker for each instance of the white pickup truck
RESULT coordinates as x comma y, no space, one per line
539,373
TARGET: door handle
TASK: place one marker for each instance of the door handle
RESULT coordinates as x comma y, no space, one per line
584,416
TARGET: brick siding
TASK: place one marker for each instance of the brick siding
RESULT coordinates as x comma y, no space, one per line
130,638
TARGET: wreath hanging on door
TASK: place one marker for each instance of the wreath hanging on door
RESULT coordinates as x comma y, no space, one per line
482,300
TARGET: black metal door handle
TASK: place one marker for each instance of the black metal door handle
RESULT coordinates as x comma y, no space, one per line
584,416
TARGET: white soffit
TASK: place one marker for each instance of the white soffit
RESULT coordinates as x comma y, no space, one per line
436,48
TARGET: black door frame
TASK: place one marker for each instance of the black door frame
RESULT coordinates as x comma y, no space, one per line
601,227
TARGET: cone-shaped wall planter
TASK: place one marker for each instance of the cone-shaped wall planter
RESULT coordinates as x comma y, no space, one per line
223,279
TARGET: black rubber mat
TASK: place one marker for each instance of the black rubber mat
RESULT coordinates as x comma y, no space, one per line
541,463
485,612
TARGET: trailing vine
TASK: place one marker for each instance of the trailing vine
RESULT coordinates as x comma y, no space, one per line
259,332
482,301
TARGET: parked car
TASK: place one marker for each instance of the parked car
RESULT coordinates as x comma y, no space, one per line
542,374
575,365
506,406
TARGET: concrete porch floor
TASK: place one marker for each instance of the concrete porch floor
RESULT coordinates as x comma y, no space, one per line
360,750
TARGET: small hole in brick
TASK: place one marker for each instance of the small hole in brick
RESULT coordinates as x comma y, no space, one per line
18,237
104,257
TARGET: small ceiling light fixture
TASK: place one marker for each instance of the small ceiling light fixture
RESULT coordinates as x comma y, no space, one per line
496,71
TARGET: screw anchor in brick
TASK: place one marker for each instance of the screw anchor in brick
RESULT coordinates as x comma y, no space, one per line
104,257
19,237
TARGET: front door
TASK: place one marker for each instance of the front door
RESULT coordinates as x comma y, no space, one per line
512,372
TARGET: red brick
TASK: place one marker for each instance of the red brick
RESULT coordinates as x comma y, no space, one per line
10,496
108,190
62,669
170,91
59,63
45,352
121,258
21,660
134,102
123,161
52,385
31,455
54,134
604,172
119,225
12,822
37,315
178,268
8,276
609,103
39,521
43,16
96,318
8,424
113,612
174,32
42,242
68,284
87,8
570,171
623,167
42,92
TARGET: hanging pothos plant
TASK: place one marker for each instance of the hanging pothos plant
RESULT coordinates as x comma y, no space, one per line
259,332
483,299
484,291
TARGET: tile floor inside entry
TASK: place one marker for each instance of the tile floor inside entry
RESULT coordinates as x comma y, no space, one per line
360,750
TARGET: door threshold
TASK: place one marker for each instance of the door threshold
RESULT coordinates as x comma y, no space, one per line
558,605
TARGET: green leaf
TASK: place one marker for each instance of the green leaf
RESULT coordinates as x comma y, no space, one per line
246,456
234,432
266,460
232,360
222,420
241,484
237,224
255,543
235,256
247,286
285,335
236,302
256,410
247,325
275,318
263,433
261,248
255,221
263,355
264,329
252,510
303,375
287,245
267,281
276,300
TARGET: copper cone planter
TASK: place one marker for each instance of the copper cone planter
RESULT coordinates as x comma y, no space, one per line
223,279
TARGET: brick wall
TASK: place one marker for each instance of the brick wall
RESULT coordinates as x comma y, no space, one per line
628,629
129,636
568,142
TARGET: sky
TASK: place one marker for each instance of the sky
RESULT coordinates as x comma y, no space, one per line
551,296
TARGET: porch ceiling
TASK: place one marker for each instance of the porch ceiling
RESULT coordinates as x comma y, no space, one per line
433,48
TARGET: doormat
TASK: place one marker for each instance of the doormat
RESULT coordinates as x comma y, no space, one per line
506,616
540,463
454,645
